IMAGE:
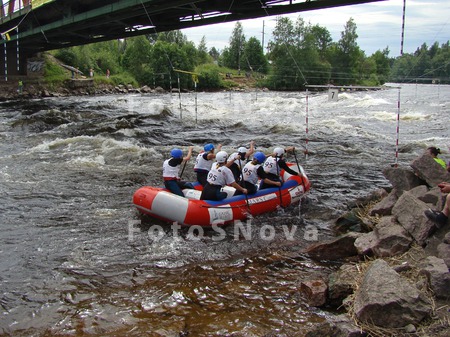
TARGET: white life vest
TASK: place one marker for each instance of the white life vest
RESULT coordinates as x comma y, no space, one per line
271,166
170,171
201,163
220,175
250,172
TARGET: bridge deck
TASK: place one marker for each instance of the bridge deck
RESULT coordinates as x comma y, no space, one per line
45,25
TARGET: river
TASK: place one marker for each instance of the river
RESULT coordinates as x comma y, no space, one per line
78,260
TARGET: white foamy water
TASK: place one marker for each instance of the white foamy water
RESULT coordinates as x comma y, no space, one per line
69,168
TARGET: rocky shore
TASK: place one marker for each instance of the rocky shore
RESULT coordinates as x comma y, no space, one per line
71,87
394,280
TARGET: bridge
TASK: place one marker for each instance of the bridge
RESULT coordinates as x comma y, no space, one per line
31,26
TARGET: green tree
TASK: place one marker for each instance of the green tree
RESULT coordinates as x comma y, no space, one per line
254,56
321,38
136,59
281,53
348,58
203,56
168,57
174,36
214,53
382,63
232,56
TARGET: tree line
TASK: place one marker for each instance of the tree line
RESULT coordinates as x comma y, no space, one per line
299,54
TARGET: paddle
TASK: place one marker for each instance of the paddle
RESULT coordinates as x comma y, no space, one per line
243,185
182,170
299,170
278,174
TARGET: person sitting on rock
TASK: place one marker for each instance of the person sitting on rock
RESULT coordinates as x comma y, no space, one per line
434,152
441,218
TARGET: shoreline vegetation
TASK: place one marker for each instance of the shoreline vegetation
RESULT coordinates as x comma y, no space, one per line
299,55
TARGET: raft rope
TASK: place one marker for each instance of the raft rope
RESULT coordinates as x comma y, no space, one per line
241,206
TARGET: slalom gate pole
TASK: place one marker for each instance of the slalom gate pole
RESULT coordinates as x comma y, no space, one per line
398,129
6,64
18,54
307,124
179,96
195,86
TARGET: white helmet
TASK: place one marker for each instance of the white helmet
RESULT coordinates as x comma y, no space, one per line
221,156
278,151
242,149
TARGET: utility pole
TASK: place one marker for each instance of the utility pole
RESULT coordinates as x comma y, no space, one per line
262,40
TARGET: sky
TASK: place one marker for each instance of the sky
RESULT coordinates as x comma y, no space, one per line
379,25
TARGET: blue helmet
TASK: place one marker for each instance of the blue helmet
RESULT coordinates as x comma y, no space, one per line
208,147
176,153
260,157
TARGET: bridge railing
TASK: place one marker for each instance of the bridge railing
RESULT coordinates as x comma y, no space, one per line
10,7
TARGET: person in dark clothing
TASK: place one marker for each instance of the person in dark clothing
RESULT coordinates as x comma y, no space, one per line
237,160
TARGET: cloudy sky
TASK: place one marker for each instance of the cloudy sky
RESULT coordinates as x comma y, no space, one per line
379,25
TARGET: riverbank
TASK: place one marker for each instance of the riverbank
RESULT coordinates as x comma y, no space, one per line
399,282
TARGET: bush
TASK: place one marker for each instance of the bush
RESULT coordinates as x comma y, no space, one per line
124,79
54,73
209,77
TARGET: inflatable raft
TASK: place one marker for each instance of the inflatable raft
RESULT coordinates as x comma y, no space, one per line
190,210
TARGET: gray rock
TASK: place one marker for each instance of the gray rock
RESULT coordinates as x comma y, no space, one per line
443,252
384,206
402,179
387,239
387,300
409,212
427,169
341,283
338,248
438,276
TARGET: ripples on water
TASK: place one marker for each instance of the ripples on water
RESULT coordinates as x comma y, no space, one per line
69,167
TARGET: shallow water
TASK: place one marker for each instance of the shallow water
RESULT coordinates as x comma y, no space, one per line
77,259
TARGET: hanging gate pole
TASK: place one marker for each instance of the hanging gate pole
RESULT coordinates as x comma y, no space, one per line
307,124
18,51
6,64
179,96
398,129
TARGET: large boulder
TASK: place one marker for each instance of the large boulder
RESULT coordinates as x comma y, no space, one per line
388,300
429,170
387,239
409,212
338,248
385,205
438,276
402,179
341,283
443,251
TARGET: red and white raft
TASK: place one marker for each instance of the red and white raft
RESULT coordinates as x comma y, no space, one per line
189,210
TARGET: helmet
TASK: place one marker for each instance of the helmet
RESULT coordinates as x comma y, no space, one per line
278,151
221,156
176,153
208,147
260,157
242,149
